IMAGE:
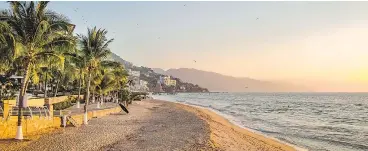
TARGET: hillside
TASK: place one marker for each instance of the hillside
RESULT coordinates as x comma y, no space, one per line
117,58
222,83
211,80
147,74
159,70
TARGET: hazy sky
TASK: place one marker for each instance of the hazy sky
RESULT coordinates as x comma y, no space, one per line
318,44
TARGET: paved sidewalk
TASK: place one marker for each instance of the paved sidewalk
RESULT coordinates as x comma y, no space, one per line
150,126
91,107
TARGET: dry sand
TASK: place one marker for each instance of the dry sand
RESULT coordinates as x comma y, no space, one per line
153,125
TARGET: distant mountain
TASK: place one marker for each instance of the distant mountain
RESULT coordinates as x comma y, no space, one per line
159,70
222,83
153,76
213,81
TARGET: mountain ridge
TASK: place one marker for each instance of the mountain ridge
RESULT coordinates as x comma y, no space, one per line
219,82
151,77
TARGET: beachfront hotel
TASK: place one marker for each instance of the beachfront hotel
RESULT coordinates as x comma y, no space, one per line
167,81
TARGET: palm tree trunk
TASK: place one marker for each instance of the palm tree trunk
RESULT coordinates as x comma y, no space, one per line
93,97
116,97
56,89
85,119
98,102
102,100
79,90
22,92
109,96
52,88
45,93
113,97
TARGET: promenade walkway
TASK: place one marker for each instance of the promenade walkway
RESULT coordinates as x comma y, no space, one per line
150,125
91,107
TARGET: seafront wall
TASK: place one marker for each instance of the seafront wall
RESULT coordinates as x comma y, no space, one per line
95,114
39,102
41,124
31,102
8,127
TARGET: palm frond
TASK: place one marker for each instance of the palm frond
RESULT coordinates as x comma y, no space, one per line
41,6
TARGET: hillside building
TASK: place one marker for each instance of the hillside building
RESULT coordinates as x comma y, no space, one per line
167,81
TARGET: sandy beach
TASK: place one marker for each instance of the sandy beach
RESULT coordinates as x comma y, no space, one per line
227,136
153,125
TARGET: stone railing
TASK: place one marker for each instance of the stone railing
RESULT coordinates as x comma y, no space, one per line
54,100
38,102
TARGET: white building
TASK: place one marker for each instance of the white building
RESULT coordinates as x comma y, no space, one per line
134,73
146,74
167,81
143,85
138,85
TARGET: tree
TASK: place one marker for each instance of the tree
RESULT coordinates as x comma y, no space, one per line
79,62
94,48
51,68
7,42
106,85
108,79
121,79
115,78
64,77
62,74
36,31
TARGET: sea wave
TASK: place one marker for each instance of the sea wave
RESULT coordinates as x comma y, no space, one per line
316,121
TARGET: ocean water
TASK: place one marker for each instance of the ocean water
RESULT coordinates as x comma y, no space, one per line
315,121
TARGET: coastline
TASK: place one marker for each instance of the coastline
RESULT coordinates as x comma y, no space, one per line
236,136
150,125
154,125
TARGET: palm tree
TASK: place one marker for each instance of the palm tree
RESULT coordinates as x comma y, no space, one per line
36,31
112,79
94,48
50,69
6,43
96,79
105,85
121,79
79,62
63,73
46,75
63,77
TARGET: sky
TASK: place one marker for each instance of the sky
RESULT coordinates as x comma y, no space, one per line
322,45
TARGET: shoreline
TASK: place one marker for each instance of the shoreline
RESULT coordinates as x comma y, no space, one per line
154,125
210,115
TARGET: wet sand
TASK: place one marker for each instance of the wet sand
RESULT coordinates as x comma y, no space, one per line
154,125
227,136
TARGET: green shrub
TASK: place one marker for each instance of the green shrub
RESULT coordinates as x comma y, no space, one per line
73,99
65,104
124,95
